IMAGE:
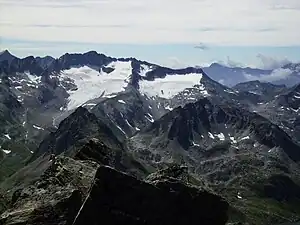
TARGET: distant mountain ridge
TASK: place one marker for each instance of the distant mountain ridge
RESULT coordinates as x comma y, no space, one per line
76,127
226,75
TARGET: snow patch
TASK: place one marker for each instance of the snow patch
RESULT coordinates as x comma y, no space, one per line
170,85
37,127
7,136
233,140
92,105
211,135
197,145
245,138
296,96
169,108
230,91
110,96
239,195
121,101
33,78
138,129
295,110
221,136
121,129
149,117
202,90
6,151
253,92
144,70
128,123
92,84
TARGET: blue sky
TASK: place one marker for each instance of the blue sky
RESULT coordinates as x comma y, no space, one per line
174,33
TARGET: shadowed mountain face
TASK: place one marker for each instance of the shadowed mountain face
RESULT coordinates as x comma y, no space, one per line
6,56
288,74
75,130
68,191
196,122
78,129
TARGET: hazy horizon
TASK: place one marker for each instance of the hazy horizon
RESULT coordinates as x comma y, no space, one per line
175,34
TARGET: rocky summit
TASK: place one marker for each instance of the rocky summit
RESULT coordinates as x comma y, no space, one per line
92,139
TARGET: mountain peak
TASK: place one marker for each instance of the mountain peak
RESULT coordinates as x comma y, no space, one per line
4,52
217,65
6,56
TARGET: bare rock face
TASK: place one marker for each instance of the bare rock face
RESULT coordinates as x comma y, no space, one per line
83,192
117,198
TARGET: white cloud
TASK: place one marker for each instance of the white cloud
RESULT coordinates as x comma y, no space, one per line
231,63
202,46
231,22
276,75
270,63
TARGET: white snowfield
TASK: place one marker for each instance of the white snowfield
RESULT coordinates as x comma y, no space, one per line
170,85
92,84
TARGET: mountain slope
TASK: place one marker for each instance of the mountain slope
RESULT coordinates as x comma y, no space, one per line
75,131
237,152
6,56
231,76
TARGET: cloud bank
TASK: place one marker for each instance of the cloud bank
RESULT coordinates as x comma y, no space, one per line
275,75
270,63
231,22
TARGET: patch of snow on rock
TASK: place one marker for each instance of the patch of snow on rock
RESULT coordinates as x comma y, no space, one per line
37,127
168,108
92,84
149,117
7,136
170,85
128,123
211,135
230,91
233,140
245,138
6,151
121,101
121,129
197,145
33,78
221,136
144,70
239,195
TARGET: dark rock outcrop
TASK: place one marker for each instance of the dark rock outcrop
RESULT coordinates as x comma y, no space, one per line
120,199
74,192
6,56
74,132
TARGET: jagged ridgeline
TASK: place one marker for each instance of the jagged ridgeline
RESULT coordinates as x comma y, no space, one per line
87,137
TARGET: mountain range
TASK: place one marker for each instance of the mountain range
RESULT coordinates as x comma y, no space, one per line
78,129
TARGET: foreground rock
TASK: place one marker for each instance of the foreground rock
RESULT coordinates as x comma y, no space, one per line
76,192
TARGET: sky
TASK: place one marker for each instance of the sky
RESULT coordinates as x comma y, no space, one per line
175,33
